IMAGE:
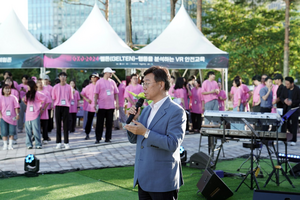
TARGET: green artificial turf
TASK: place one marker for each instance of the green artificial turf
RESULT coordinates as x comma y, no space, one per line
117,183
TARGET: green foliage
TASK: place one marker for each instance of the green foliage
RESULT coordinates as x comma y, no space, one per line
41,39
63,39
49,45
254,38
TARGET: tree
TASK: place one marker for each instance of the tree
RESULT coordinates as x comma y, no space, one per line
41,40
128,23
63,39
173,8
199,14
78,2
252,37
49,45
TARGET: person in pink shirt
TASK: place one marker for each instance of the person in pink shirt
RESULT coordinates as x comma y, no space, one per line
197,106
34,110
9,105
62,95
8,74
13,90
256,97
121,117
172,85
44,115
85,83
23,89
107,99
210,91
134,87
221,98
88,95
73,107
48,87
237,103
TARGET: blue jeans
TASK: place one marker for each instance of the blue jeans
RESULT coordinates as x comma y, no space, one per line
238,126
211,105
7,129
34,127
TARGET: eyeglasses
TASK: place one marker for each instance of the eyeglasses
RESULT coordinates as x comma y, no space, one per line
146,84
63,76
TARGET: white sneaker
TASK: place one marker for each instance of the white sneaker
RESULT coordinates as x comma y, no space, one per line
293,143
10,147
4,147
67,146
45,142
58,146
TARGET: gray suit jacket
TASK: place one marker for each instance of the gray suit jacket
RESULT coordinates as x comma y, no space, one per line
157,161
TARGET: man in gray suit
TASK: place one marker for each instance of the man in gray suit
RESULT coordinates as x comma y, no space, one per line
158,136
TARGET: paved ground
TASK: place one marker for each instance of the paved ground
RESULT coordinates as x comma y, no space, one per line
84,154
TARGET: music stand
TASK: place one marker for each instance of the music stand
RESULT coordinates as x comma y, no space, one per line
278,166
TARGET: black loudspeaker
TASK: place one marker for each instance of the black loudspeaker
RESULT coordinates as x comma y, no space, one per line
212,187
296,170
274,195
199,160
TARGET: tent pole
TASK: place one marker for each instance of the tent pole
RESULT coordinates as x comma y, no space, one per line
200,75
184,72
42,72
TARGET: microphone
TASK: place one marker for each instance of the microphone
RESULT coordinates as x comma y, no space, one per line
137,105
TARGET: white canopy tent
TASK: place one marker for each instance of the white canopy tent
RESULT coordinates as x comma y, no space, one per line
18,48
188,47
89,47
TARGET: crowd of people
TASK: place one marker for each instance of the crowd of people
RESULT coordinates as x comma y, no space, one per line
34,103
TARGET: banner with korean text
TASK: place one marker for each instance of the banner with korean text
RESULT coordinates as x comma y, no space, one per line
121,61
21,61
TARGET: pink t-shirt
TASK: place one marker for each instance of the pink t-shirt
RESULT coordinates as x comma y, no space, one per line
33,107
237,96
45,92
22,93
171,94
196,100
245,92
256,96
13,92
136,90
274,91
88,92
222,102
106,90
179,93
121,95
208,86
49,89
74,102
7,107
61,95
17,86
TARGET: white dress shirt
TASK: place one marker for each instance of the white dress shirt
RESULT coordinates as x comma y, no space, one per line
154,108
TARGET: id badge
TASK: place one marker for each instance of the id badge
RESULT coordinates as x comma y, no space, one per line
108,92
195,102
72,102
8,113
31,108
63,102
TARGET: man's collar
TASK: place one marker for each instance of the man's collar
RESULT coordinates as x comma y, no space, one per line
159,103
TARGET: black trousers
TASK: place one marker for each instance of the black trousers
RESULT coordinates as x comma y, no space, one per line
62,114
196,121
256,108
187,120
72,122
44,128
291,124
265,110
50,121
89,122
171,195
101,115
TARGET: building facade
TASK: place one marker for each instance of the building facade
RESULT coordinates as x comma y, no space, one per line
56,21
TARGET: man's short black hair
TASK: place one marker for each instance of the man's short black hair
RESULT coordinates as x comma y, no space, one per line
289,79
210,73
25,76
237,82
257,78
9,73
132,75
267,78
160,74
62,73
278,76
